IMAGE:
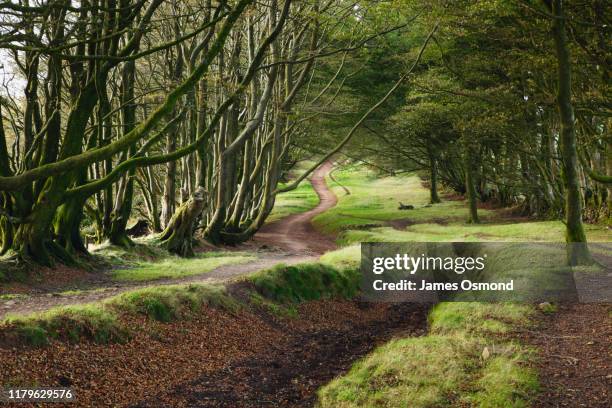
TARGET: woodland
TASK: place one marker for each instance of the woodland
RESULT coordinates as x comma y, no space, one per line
189,114
184,187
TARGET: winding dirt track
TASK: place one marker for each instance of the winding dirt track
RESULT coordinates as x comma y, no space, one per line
294,237
295,233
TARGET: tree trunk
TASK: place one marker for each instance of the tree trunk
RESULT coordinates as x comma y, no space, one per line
125,193
169,194
574,233
470,187
178,235
433,178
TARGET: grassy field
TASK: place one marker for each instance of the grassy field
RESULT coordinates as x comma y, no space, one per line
464,360
370,213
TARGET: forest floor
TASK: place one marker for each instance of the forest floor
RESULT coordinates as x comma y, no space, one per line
574,358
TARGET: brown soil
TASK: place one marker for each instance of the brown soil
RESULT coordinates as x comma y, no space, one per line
574,356
252,359
296,233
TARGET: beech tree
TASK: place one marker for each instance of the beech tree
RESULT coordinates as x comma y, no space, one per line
182,113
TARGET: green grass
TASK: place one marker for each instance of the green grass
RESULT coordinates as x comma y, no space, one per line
71,323
364,215
167,303
302,199
142,250
504,382
101,322
477,318
303,282
13,296
446,368
545,231
410,372
345,257
374,201
175,267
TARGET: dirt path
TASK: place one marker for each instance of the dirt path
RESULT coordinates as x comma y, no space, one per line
293,240
295,233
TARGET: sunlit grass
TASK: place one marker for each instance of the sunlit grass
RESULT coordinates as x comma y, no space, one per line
92,321
365,215
175,267
302,199
445,368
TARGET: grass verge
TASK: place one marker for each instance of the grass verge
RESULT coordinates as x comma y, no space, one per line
175,267
278,289
462,362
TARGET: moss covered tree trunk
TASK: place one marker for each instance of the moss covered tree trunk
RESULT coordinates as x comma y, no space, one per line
574,232
123,205
433,177
6,227
470,186
178,235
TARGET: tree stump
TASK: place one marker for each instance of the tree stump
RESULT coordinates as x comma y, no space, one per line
178,235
